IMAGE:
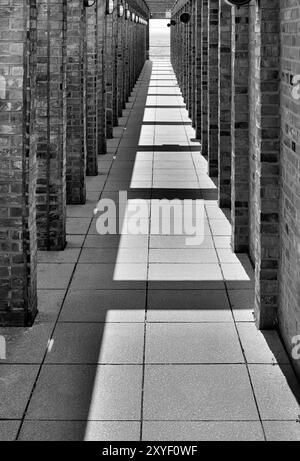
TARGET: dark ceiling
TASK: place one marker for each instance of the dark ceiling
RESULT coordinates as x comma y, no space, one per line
159,6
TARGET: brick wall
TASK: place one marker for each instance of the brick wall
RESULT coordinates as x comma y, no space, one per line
289,303
109,78
198,79
224,106
240,129
51,124
204,78
18,300
101,81
76,102
91,90
264,135
213,85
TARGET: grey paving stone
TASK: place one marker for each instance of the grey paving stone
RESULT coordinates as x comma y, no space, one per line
110,276
78,226
277,391
116,241
104,306
54,276
87,392
195,256
116,343
26,345
192,343
194,306
282,431
69,255
198,392
110,255
8,430
83,211
215,431
242,303
177,241
77,431
49,304
184,272
261,346
16,383
75,241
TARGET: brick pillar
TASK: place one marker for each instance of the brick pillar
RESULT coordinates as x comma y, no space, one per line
51,124
204,78
194,60
240,129
18,295
289,244
76,102
198,85
190,60
224,87
213,84
101,77
185,29
109,69
116,32
264,133
120,62
126,59
91,91
148,41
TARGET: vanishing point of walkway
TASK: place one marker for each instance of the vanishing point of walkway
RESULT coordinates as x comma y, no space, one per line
142,337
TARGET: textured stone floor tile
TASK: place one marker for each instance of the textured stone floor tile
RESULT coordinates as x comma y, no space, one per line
74,241
77,431
109,276
192,343
277,391
95,183
178,241
8,430
49,305
82,211
170,227
78,226
242,303
129,226
191,306
198,392
238,276
261,346
117,343
69,255
116,241
215,212
181,255
54,276
228,256
222,241
202,431
104,306
185,285
26,345
87,392
118,255
282,431
16,383
185,272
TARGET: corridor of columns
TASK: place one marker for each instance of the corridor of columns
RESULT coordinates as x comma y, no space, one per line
143,333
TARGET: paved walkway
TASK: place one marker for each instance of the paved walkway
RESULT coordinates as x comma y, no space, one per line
145,337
